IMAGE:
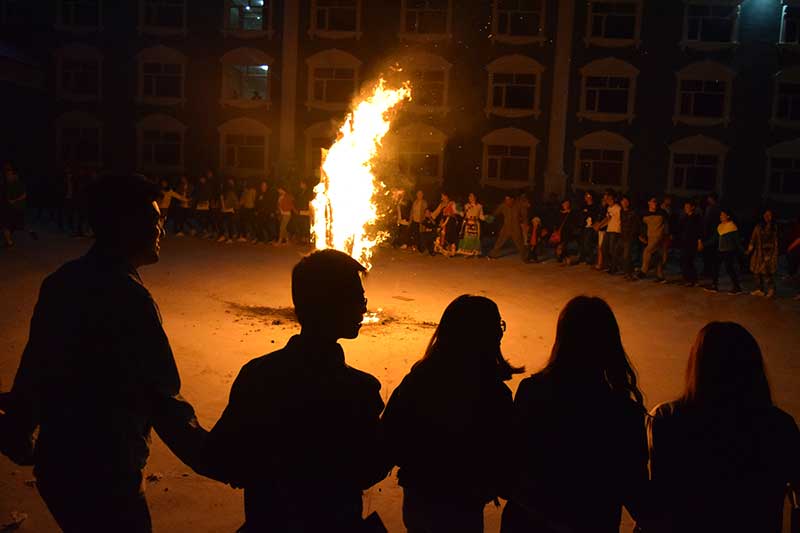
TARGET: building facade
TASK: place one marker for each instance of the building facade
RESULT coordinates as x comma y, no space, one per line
646,96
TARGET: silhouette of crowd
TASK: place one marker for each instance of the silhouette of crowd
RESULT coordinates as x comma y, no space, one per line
304,433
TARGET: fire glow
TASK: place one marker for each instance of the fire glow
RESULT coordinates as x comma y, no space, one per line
344,204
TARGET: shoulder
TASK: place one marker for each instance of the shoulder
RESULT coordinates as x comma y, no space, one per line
362,379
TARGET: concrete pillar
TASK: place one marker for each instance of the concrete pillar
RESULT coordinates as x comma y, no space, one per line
289,33
555,177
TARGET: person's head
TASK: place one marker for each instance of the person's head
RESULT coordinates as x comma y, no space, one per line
420,195
281,189
726,369
328,295
725,215
184,181
588,198
202,179
611,196
508,200
472,198
588,348
445,197
566,204
263,186
164,183
124,217
652,204
428,213
688,207
625,201
712,199
666,202
468,339
210,174
767,216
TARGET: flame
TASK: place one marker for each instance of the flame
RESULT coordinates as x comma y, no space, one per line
344,202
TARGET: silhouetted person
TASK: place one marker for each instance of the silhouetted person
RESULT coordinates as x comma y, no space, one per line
98,372
722,453
447,424
300,432
582,448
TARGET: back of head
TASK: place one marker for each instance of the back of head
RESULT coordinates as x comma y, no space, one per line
726,369
119,207
588,348
322,282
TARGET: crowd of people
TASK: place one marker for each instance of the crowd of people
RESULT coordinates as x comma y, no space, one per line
304,433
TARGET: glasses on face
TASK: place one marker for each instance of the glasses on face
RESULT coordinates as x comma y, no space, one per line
503,325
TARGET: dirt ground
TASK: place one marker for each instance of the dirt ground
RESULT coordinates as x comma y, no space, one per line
225,304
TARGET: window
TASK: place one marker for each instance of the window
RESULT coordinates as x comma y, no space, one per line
335,19
243,147
332,79
710,24
509,156
608,90
429,87
419,152
783,171
430,78
79,14
161,76
704,94
160,144
79,140
790,25
15,12
786,100
614,22
425,19
318,136
602,160
245,78
248,18
79,73
696,165
514,86
518,21
162,17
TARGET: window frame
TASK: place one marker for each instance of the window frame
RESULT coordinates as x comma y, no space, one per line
509,137
785,6
332,58
417,132
514,64
62,25
163,124
610,42
710,45
315,32
164,56
250,57
609,67
602,140
78,52
427,62
318,130
787,75
785,150
246,127
540,38
696,145
425,37
80,120
267,32
161,31
704,71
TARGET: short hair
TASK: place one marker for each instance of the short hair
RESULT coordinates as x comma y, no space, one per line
317,281
114,199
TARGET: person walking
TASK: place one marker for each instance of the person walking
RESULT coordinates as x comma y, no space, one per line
418,208
12,205
710,222
247,209
228,207
721,454
264,213
631,229
285,209
470,242
691,233
512,228
729,246
612,244
447,216
590,212
656,230
763,251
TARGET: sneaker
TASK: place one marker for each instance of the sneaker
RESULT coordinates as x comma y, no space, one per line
711,288
179,234
242,239
229,241
735,290
222,238
771,293
758,292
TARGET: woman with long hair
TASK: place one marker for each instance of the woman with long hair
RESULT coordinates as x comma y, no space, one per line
581,446
445,424
763,251
722,453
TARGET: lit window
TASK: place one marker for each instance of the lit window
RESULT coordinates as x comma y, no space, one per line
509,157
335,18
79,73
608,90
514,86
426,19
333,76
161,75
704,94
518,21
79,13
710,23
246,82
614,22
601,160
696,165
79,140
163,16
790,25
243,147
248,15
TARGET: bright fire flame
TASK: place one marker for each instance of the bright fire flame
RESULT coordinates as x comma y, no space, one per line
344,203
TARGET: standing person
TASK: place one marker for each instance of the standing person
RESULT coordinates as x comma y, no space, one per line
470,242
449,441
228,207
402,215
564,233
14,204
631,229
300,432
691,234
418,208
182,207
674,225
763,250
511,229
165,203
263,213
98,372
285,209
722,454
202,206
446,214
612,244
427,234
581,430
729,246
303,216
710,222
793,247
590,212
247,209
656,230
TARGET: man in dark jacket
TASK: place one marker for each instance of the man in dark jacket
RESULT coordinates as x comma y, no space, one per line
300,432
691,241
98,373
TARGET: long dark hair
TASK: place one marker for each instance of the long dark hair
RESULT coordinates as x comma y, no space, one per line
468,337
726,368
589,347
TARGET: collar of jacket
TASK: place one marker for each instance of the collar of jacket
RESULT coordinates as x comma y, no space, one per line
317,351
112,260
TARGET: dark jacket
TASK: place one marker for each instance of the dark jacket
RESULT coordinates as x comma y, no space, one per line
691,230
723,470
96,374
449,434
300,435
582,454
631,225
